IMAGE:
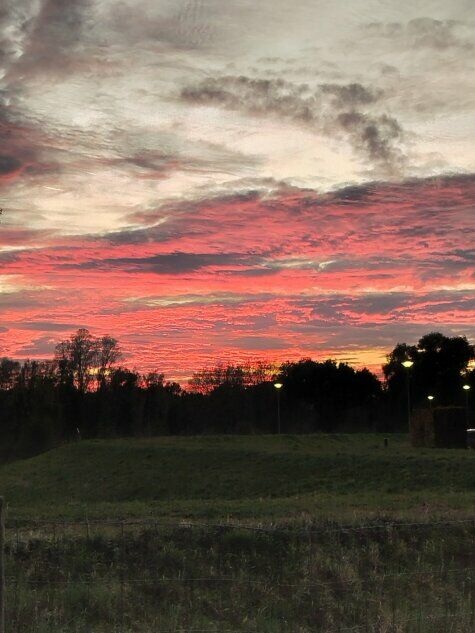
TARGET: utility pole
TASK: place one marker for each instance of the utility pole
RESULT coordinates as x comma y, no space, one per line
278,386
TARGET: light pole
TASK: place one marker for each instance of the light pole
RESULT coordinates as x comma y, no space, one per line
407,364
430,399
466,388
278,386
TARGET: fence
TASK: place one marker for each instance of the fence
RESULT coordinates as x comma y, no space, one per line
160,577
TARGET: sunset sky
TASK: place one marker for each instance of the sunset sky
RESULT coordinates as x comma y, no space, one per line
215,180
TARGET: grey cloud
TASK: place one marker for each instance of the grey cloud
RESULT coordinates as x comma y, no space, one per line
19,299
375,136
42,346
353,94
353,194
174,301
51,35
22,147
259,342
14,235
9,164
153,234
424,32
256,96
180,25
467,254
348,336
255,272
344,308
45,326
9,257
165,264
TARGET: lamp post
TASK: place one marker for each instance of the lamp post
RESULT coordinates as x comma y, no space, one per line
278,386
430,399
466,388
407,364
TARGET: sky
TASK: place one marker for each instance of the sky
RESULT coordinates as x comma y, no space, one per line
213,181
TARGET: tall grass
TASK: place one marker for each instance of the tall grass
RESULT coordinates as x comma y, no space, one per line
149,579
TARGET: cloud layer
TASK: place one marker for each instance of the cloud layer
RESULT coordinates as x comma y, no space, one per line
346,273
331,109
223,180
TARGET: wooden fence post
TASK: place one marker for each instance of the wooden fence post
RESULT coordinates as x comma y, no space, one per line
2,565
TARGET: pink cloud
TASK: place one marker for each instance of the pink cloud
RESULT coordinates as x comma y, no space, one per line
275,276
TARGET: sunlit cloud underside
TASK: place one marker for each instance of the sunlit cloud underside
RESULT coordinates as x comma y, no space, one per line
213,181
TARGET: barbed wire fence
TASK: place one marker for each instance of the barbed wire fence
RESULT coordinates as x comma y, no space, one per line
203,577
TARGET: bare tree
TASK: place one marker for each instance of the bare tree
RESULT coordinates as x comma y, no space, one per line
108,353
77,357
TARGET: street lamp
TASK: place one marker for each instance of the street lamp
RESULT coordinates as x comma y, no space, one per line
278,386
407,364
466,388
430,399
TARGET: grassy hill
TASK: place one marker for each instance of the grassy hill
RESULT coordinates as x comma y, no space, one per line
259,477
191,576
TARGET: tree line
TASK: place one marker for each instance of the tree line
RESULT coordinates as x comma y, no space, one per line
85,392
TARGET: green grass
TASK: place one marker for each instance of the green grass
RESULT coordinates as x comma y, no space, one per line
341,477
95,577
396,580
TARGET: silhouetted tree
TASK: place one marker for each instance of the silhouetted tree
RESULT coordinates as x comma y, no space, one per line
330,388
43,403
9,370
439,363
238,376
77,356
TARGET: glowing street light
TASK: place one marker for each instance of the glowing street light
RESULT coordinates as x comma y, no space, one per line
466,388
407,364
430,399
278,386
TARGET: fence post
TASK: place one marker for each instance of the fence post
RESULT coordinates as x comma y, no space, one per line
2,565
122,565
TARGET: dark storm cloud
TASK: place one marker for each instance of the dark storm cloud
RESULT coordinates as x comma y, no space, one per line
376,136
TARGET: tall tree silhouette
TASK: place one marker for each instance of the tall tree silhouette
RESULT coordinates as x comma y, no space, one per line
439,364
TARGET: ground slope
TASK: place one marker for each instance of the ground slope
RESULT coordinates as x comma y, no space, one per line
338,476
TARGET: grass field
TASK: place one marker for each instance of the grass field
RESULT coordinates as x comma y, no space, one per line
338,477
325,545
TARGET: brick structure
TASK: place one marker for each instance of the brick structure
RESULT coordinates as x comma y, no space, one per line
440,427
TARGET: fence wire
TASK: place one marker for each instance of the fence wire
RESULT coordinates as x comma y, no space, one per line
158,576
